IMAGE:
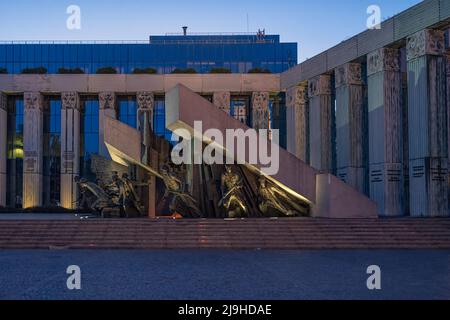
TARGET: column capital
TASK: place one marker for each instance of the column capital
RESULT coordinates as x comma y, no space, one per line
222,100
296,96
33,101
383,59
70,100
107,100
320,85
259,98
425,42
348,74
145,100
3,100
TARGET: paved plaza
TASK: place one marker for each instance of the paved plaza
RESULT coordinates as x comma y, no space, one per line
213,274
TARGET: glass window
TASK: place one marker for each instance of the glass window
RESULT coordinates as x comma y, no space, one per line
159,119
52,152
240,108
128,110
15,152
89,134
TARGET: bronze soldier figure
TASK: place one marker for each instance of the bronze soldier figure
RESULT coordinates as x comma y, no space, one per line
271,198
182,202
232,196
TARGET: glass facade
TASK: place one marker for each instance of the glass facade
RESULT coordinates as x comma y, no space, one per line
277,108
159,119
89,134
239,53
128,110
52,152
15,152
240,108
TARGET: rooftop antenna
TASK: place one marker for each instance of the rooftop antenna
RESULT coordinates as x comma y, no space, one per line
185,30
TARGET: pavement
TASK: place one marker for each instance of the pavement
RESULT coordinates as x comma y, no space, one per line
42,216
217,275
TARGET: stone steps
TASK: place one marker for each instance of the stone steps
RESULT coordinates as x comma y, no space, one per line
285,234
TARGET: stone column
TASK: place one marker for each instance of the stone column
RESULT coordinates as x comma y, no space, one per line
321,131
222,100
350,126
384,80
33,149
146,104
3,147
297,121
107,109
70,148
260,110
427,124
448,118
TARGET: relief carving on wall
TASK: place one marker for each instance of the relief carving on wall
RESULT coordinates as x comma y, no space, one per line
260,110
33,101
222,101
70,101
146,100
384,59
320,85
297,96
431,42
107,100
348,74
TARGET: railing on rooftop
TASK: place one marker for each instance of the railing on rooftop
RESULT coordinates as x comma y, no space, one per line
74,42
211,41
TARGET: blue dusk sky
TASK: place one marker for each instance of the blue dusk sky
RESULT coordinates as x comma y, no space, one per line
315,25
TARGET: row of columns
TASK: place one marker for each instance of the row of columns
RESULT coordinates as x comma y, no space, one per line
70,142
361,126
71,135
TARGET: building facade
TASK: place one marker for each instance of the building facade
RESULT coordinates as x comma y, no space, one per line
371,112
164,54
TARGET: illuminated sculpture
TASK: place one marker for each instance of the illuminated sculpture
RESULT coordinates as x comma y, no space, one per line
182,202
273,201
232,195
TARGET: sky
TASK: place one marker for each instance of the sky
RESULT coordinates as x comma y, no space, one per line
315,25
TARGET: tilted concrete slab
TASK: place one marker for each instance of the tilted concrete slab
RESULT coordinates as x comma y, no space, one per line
124,144
328,196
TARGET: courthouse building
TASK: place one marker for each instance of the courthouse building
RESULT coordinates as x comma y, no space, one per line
363,123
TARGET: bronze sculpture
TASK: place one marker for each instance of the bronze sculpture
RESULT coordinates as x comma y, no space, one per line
181,202
273,201
232,195
92,196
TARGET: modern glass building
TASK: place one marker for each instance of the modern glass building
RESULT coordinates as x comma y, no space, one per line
203,53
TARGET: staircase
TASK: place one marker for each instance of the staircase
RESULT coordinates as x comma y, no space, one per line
296,233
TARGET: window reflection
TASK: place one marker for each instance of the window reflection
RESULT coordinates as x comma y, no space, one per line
15,152
128,110
52,152
89,134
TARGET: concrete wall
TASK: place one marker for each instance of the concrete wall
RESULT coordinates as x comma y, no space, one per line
201,83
